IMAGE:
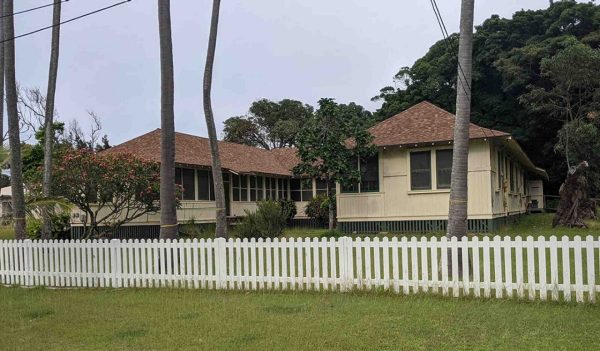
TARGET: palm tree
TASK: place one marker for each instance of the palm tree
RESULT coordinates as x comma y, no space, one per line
2,74
16,164
457,215
49,120
168,210
221,230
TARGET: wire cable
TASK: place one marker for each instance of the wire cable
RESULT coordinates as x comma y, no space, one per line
34,8
454,52
67,21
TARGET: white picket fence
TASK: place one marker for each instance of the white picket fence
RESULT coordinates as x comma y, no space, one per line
500,267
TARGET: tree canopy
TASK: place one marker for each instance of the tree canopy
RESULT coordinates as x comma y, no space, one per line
269,124
332,142
507,64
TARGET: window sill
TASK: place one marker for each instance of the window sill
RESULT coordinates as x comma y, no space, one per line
434,191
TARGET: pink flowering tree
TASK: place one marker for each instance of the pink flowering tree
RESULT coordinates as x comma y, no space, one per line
111,188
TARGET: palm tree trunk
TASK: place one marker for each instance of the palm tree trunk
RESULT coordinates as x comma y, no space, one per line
16,164
221,230
49,121
168,210
2,74
457,215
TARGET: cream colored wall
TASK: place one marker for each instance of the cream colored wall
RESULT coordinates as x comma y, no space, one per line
506,202
536,192
396,201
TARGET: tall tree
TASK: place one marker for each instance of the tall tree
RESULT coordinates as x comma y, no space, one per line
457,214
507,55
2,74
168,213
221,230
269,124
16,165
572,96
331,144
49,120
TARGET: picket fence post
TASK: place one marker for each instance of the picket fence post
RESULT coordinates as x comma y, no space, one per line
114,261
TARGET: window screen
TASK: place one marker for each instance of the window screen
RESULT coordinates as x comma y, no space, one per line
369,175
443,164
420,170
189,188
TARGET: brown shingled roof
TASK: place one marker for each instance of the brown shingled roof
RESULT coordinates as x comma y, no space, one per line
195,151
423,123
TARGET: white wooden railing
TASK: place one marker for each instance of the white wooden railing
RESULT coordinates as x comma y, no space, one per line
499,267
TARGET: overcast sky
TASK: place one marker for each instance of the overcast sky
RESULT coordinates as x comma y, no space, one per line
274,49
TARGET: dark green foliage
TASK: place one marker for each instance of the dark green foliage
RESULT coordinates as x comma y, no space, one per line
332,141
269,125
318,208
288,209
267,222
507,60
4,180
61,226
192,230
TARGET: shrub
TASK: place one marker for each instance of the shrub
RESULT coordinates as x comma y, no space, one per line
192,230
318,208
267,222
61,226
288,209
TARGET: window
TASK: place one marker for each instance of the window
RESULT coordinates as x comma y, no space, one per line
369,175
420,170
273,188
253,189
443,165
268,188
236,187
204,180
307,190
283,188
189,184
321,186
260,188
500,171
295,189
244,188
512,176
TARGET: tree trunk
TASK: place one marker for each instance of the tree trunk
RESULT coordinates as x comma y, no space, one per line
457,215
49,120
2,74
575,205
168,210
221,230
331,216
14,139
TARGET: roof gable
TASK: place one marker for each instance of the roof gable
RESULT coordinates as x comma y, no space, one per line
423,123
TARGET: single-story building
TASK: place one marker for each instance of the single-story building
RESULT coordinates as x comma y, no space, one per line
404,187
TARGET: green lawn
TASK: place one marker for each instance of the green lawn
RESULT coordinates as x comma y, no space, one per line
534,225
39,319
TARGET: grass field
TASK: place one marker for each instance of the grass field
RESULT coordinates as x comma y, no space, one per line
534,225
39,319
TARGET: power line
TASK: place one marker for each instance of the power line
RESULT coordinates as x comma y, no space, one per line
449,45
64,22
33,9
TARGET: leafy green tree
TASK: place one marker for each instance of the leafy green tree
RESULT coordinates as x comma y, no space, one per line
507,56
332,142
572,96
269,124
